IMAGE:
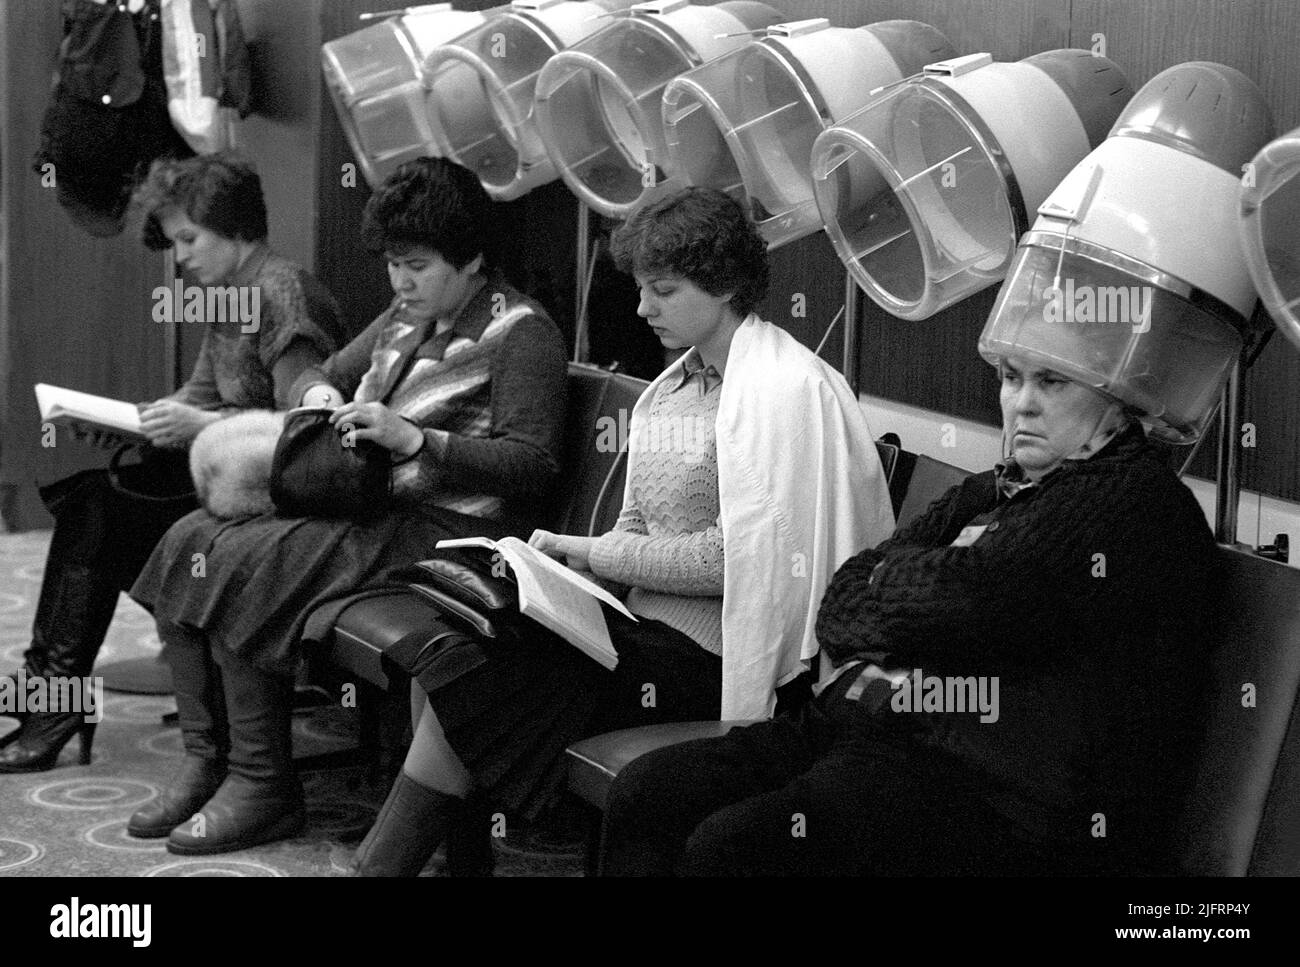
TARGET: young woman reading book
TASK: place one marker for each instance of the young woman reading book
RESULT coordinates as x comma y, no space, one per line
752,475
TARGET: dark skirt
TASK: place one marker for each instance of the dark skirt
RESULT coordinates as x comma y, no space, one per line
511,719
251,584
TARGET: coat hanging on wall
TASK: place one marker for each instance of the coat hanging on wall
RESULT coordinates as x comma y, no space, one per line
206,68
108,118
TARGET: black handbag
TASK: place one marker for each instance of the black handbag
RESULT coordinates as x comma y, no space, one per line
159,477
319,472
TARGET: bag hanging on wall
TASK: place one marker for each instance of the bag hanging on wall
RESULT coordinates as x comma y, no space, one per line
107,119
319,472
206,67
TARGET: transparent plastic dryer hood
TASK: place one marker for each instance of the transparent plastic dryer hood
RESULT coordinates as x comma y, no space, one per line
375,78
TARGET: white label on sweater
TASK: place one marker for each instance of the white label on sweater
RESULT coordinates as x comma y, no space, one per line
969,535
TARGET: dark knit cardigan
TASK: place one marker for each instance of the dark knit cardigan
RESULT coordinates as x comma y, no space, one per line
1084,596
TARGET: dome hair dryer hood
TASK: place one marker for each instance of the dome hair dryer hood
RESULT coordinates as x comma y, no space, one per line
598,103
1132,280
481,89
926,190
375,77
1270,230
745,123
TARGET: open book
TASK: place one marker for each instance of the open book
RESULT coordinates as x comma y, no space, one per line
59,405
556,597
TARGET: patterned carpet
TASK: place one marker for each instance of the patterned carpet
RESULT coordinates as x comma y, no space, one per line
71,820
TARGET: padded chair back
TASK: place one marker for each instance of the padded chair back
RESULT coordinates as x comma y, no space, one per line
1243,815
599,412
928,481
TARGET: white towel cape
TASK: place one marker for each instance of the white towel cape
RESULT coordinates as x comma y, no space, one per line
801,490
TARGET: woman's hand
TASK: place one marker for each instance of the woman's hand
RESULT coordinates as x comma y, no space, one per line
322,394
375,421
575,551
171,425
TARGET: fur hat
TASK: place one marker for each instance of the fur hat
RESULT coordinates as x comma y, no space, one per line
230,462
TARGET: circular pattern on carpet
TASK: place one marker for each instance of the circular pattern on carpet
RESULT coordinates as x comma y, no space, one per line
340,820
208,866
17,852
92,794
138,708
324,727
168,744
111,834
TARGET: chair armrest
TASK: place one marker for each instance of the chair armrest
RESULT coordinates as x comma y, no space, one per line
464,588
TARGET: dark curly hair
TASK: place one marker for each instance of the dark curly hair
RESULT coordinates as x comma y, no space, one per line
220,192
433,203
703,235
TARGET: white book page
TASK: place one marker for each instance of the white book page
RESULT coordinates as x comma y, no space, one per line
567,610
514,550
555,596
566,573
487,542
56,403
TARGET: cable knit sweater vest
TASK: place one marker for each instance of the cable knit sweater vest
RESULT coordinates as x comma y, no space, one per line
667,543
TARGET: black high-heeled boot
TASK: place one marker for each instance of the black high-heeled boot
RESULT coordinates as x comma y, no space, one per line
12,736
72,616
42,737
73,613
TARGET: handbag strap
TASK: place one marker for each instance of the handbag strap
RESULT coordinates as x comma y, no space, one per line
118,484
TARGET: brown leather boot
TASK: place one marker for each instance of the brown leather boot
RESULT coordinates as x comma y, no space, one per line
261,799
413,821
201,709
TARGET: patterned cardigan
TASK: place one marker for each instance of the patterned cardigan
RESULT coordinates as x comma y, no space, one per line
489,396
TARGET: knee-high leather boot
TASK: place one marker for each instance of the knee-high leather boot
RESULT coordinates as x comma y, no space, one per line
261,799
73,613
83,575
411,824
201,708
